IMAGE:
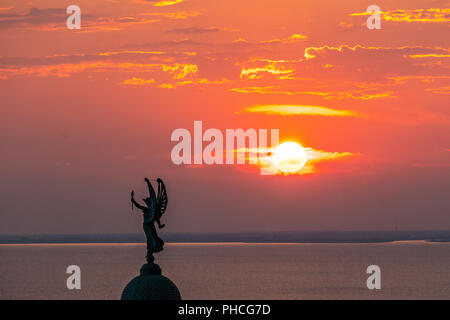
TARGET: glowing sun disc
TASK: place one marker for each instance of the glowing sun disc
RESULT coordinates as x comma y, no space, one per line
289,157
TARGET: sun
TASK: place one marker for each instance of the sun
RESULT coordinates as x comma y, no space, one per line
289,157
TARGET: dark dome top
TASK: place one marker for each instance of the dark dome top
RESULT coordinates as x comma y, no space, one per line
151,285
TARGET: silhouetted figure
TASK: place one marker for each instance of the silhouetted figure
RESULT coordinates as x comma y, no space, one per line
152,212
151,284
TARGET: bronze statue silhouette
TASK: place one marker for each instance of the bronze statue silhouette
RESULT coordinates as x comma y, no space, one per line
156,206
151,284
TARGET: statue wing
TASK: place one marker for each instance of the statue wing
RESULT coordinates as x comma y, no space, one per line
153,210
162,199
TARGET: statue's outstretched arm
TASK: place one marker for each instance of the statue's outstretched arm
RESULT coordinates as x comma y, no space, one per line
136,203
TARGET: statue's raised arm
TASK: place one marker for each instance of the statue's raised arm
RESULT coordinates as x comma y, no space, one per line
133,201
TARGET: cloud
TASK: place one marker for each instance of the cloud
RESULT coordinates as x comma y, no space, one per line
432,15
61,70
162,66
200,30
346,26
52,19
252,73
336,65
435,84
138,82
293,110
194,30
439,90
317,156
35,17
360,50
344,72
360,94
264,90
161,69
166,3
138,57
429,55
202,81
193,81
173,15
294,38
180,71
262,157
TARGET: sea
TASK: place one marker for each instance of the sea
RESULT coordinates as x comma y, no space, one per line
408,270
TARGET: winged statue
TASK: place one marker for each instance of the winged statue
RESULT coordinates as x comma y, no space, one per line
154,209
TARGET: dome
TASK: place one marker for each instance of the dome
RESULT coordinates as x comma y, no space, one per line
150,285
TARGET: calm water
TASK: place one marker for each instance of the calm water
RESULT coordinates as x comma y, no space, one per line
410,270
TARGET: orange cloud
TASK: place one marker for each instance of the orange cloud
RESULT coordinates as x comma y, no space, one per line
314,156
54,19
264,90
429,55
173,15
202,81
138,82
111,53
313,52
60,70
294,38
346,25
439,90
180,71
117,61
166,3
359,94
292,110
272,68
432,15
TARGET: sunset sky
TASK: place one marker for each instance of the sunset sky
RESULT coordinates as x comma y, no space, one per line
87,114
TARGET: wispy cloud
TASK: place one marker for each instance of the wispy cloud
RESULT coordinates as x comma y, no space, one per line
294,38
429,55
317,156
264,159
293,110
166,3
432,15
358,94
138,82
439,90
52,19
62,65
252,73
173,15
200,30
180,71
